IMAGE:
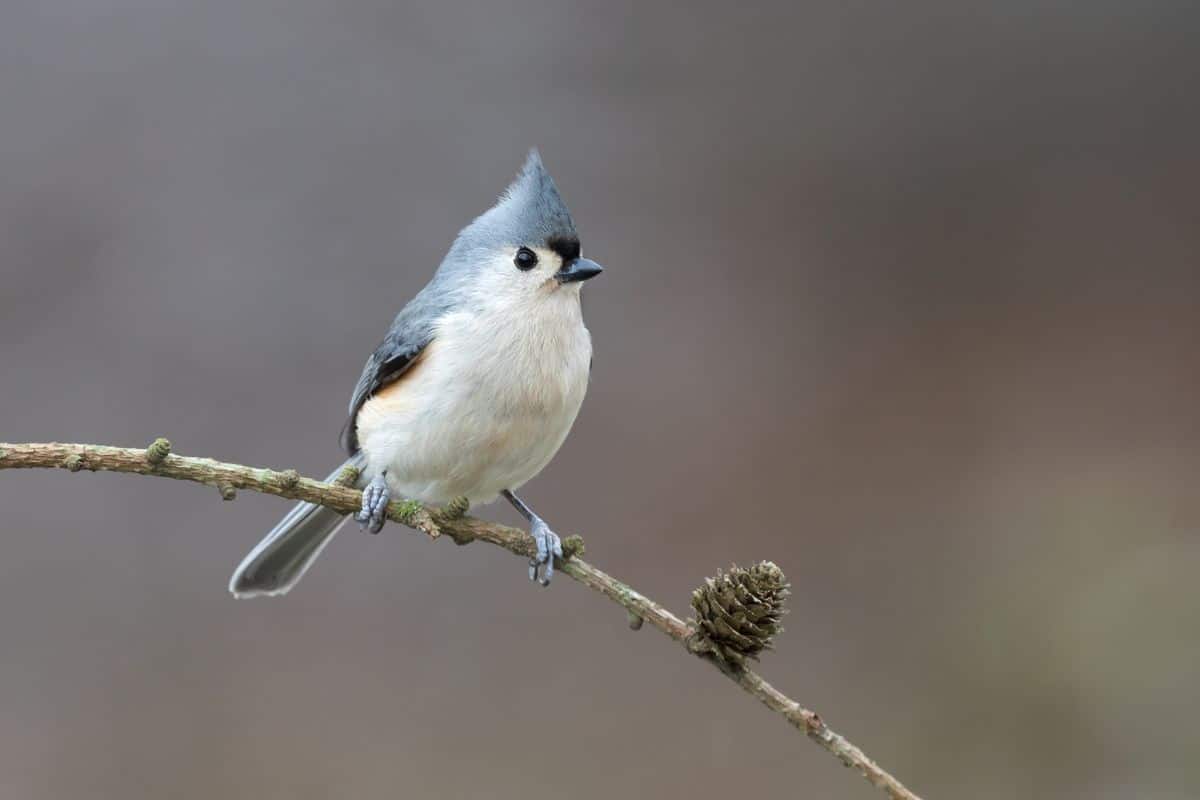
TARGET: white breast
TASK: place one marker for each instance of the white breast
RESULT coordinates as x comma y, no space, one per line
492,400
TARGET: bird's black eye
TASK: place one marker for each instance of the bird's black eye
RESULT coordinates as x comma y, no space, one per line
526,258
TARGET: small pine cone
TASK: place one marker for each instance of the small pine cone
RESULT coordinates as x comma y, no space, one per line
738,612
158,451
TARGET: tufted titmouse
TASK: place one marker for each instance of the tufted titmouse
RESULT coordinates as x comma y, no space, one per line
473,389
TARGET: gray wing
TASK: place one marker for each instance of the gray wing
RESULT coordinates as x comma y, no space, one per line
411,332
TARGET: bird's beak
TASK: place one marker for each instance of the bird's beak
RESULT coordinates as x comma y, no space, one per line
578,269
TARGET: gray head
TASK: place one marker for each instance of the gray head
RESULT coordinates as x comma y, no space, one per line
523,247
529,210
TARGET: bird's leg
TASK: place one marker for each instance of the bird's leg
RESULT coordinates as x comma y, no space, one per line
548,543
375,499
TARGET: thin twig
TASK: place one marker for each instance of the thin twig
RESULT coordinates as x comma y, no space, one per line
158,460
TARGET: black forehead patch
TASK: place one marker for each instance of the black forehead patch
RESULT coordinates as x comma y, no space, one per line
565,246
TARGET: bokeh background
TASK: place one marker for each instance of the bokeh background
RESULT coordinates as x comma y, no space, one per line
903,297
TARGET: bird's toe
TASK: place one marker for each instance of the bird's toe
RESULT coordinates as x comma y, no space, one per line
375,500
549,545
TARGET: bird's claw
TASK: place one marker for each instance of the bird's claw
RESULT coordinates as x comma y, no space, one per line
375,499
548,546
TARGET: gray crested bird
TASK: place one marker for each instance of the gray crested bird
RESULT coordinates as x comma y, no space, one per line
473,389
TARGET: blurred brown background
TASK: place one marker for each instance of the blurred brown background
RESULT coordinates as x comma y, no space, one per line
904,298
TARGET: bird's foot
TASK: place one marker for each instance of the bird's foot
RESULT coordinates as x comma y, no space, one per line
548,546
375,499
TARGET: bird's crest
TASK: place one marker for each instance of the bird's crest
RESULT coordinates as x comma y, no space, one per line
531,209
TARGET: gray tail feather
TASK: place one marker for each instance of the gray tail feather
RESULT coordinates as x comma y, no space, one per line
278,562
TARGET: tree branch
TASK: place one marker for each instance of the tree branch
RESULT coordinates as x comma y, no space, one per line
228,478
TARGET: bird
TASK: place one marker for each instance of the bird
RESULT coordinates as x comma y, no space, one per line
473,389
